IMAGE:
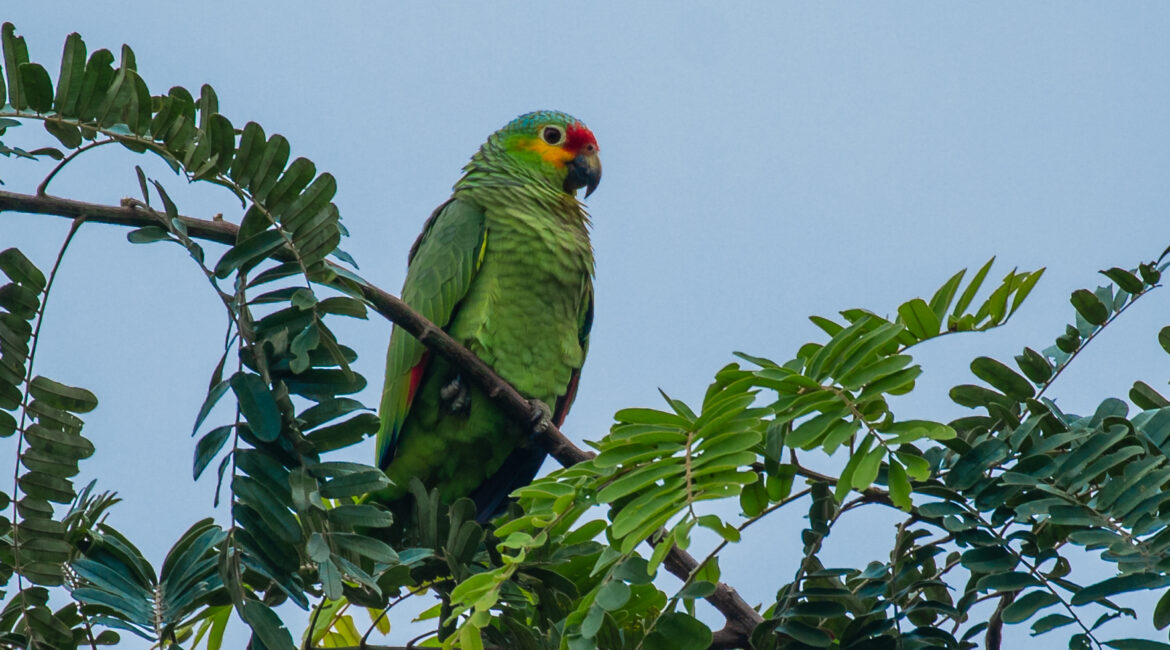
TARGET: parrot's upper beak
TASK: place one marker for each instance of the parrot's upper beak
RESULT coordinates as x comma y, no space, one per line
584,171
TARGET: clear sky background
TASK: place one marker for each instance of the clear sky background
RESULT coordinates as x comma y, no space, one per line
763,162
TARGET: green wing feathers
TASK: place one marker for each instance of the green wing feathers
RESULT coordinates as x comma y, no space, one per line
565,401
442,264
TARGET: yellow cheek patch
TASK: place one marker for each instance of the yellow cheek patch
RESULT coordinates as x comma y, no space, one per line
551,153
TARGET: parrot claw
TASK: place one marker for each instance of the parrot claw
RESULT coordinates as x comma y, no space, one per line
455,397
540,415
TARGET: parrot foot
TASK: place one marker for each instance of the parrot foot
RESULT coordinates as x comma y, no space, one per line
540,415
455,397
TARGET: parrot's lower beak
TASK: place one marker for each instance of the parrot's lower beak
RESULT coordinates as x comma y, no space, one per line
584,171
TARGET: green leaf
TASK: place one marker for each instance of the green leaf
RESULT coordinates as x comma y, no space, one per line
72,74
809,433
148,235
678,631
917,467
327,410
20,300
15,53
361,515
1164,338
1090,306
1117,585
318,548
271,506
303,343
309,203
46,486
356,484
899,486
942,298
1025,606
266,625
806,634
320,384
989,559
969,293
208,447
292,181
908,431
1150,275
874,371
829,327
867,469
213,396
37,87
61,444
344,434
365,546
221,134
343,306
613,595
1024,288
1124,279
249,252
1145,397
1002,378
68,398
1051,622
1162,611
1013,581
1035,366
873,345
1137,644
753,499
970,467
698,589
895,383
248,154
919,318
271,164
651,416
639,479
721,528
67,134
19,269
257,405
845,481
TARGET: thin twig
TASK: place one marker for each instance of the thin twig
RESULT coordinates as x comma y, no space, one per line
308,644
65,161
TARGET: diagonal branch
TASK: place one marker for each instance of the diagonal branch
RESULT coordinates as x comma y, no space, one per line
741,619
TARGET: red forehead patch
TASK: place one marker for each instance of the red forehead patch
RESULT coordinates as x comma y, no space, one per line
578,136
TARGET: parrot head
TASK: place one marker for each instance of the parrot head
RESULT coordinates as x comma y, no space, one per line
556,147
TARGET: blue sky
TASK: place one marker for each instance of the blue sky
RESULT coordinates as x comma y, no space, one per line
763,162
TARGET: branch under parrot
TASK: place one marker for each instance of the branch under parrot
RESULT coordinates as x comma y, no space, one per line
741,619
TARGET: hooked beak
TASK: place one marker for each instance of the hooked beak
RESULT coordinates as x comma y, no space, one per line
584,171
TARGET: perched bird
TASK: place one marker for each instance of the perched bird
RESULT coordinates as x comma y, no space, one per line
505,267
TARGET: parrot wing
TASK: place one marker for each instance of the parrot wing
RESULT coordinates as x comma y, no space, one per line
565,401
441,266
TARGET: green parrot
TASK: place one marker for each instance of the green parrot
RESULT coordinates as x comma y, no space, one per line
505,267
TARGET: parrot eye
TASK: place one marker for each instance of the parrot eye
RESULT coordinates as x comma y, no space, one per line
552,134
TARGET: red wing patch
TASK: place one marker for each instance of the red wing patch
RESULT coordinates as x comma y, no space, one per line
416,375
566,400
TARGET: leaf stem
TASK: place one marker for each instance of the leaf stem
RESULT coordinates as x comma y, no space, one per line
41,189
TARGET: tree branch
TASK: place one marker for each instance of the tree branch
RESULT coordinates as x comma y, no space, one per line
741,618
